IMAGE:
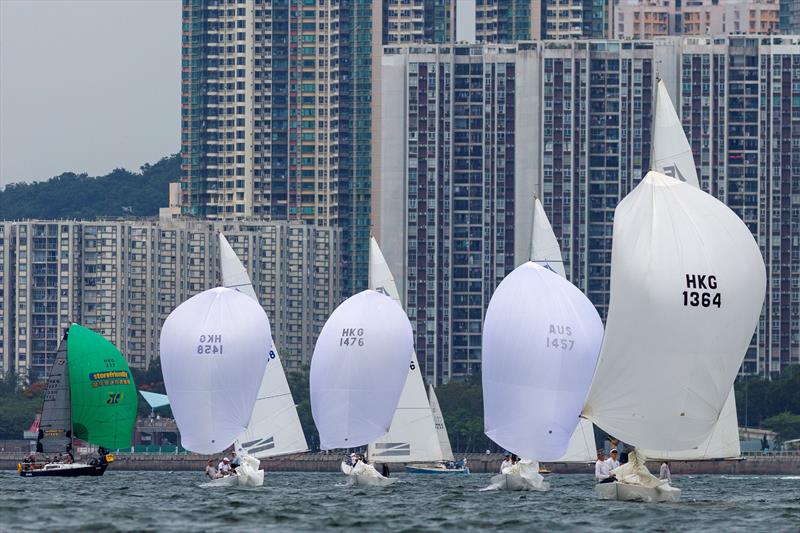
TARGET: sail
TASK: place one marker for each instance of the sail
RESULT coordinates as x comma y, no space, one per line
441,429
103,395
274,427
358,370
672,154
56,424
544,246
723,443
687,286
582,447
541,339
412,434
214,348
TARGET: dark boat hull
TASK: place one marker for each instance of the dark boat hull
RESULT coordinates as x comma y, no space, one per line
87,470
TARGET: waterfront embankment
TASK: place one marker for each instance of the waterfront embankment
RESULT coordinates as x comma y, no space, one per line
478,463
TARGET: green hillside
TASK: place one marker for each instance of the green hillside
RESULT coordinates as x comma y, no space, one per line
80,196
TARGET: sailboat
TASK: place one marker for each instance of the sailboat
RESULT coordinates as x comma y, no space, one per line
214,351
687,286
274,427
358,371
412,435
672,155
90,396
541,339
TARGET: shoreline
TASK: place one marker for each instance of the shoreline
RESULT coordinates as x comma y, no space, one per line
478,463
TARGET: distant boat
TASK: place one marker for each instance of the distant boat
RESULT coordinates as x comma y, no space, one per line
413,436
214,350
687,286
274,427
358,371
541,340
672,155
90,396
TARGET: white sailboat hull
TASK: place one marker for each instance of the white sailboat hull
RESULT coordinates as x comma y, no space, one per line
515,482
365,476
626,492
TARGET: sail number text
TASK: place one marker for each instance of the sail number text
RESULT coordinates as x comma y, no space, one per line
209,344
558,337
352,337
701,291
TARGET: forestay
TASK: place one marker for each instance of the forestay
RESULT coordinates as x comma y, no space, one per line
541,339
274,427
412,435
687,287
672,154
214,349
358,370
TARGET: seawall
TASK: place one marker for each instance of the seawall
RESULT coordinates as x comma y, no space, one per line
478,463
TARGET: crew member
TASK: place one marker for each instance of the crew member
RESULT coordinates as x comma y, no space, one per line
224,467
664,473
211,471
602,471
506,462
613,461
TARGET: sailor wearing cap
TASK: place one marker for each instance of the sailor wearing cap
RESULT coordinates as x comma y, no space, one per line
224,467
506,463
613,461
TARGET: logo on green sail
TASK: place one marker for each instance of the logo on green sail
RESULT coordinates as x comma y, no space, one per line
114,398
111,377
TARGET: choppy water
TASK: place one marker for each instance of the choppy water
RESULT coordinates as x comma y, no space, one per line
156,501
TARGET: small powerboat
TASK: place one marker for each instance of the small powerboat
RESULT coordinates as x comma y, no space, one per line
444,467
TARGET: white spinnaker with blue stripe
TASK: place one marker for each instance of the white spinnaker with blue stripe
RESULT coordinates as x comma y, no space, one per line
274,427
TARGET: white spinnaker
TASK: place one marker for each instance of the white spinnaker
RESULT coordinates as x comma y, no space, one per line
441,428
541,339
723,443
358,370
687,286
412,435
545,250
274,427
213,352
672,154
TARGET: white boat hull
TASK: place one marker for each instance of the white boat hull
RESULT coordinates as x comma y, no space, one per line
626,492
515,482
365,476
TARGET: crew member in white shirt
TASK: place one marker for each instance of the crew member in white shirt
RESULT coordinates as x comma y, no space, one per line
664,473
506,463
613,461
602,470
224,467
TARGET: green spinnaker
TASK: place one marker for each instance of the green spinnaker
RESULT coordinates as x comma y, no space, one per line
103,394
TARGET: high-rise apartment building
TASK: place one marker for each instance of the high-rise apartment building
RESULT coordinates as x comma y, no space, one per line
122,279
275,115
714,17
790,17
452,172
579,135
575,19
645,19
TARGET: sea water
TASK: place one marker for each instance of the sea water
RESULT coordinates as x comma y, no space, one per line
161,501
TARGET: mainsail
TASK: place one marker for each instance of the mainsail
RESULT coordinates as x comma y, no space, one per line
441,429
274,427
358,370
687,286
412,435
673,156
55,428
541,339
103,395
214,349
546,252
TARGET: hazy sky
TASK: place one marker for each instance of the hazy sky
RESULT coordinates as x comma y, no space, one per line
87,85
